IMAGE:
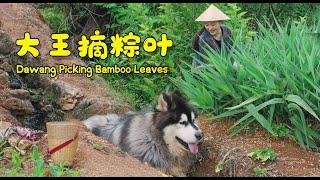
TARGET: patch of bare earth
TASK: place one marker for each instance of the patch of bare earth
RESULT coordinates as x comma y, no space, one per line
103,159
291,159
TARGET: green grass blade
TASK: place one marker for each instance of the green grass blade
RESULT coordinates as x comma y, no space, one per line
296,99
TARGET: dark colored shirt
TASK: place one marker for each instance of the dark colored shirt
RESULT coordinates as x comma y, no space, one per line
219,44
205,39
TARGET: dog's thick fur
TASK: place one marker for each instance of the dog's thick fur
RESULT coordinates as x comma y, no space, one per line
152,137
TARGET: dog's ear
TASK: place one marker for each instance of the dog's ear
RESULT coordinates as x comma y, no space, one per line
163,102
178,101
177,93
171,101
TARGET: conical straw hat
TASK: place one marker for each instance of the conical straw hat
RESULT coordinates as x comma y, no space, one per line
212,14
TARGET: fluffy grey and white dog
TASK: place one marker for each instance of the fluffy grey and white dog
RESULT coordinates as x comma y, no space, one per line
166,138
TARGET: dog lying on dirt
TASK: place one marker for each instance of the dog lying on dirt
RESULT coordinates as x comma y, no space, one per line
167,138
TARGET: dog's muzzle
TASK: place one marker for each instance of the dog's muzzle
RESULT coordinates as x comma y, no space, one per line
192,147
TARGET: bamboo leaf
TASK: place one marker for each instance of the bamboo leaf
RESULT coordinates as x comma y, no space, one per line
263,121
296,99
248,101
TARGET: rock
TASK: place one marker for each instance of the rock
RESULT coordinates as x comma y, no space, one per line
20,93
18,106
37,120
4,95
69,95
6,44
4,80
6,67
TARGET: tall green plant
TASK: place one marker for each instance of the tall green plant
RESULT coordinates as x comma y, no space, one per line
276,80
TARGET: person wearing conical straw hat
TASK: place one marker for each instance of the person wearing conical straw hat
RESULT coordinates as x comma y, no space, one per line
214,33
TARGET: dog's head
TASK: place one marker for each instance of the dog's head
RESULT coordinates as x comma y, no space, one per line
178,122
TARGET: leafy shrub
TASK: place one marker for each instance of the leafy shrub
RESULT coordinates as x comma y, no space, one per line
13,167
281,130
259,172
263,155
276,81
178,22
59,170
283,11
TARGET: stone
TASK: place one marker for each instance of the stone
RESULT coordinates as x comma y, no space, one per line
69,95
4,77
6,67
20,93
4,80
18,106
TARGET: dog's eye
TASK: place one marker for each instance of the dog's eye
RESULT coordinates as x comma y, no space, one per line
184,123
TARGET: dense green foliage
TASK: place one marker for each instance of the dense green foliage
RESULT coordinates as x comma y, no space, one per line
176,20
276,81
153,20
263,155
282,11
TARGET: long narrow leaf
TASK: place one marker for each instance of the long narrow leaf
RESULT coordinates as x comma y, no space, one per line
296,99
248,101
263,121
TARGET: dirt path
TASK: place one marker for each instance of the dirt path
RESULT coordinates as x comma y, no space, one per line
96,157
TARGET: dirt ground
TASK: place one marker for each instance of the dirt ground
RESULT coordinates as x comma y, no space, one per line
96,157
291,159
